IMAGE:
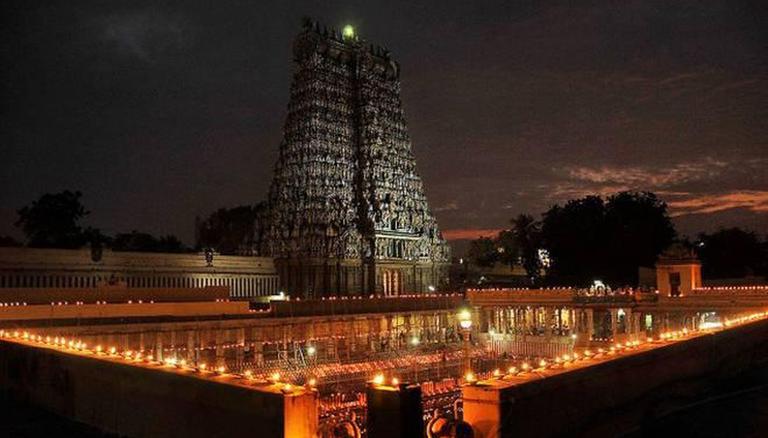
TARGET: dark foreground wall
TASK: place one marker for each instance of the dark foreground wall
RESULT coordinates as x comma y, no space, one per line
142,402
614,397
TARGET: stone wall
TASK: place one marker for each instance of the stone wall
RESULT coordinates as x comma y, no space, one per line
613,397
138,401
246,277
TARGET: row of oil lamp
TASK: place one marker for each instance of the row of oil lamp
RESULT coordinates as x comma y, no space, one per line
604,353
97,302
521,289
379,379
384,297
561,361
756,286
137,357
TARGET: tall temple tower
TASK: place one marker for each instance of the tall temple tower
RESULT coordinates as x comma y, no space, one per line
347,210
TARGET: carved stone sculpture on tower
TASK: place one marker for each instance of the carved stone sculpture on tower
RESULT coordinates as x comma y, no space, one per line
347,209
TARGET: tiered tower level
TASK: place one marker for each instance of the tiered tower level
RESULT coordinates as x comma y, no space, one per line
348,214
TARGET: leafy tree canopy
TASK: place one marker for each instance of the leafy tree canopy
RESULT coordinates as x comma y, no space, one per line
232,230
144,242
53,221
608,239
731,253
483,252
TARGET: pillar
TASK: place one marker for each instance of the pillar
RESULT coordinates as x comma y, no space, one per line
614,322
590,324
220,358
394,411
191,346
549,314
159,346
240,345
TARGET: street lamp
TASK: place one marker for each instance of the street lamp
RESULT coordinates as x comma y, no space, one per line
465,322
465,319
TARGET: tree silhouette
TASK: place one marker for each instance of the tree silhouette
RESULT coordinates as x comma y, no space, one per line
509,251
527,236
731,253
6,241
589,238
483,252
53,221
144,242
574,234
237,230
638,230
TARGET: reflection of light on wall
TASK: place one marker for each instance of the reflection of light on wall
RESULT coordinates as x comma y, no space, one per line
710,320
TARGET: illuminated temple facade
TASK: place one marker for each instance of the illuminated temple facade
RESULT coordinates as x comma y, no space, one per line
347,209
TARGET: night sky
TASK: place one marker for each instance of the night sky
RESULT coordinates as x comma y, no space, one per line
159,112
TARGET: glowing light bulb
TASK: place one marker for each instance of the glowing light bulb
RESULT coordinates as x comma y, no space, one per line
395,381
348,31
469,377
378,379
312,382
542,363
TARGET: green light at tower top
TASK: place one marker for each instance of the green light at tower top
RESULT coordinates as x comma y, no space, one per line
348,31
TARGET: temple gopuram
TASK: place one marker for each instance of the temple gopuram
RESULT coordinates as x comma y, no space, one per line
347,209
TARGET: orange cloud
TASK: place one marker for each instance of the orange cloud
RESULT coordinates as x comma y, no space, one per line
470,233
649,177
754,200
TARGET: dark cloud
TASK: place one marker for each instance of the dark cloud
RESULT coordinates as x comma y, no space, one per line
144,34
162,111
